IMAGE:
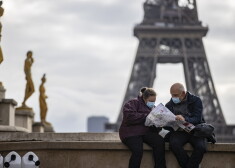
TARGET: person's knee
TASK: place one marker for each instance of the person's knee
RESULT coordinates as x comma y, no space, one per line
174,142
155,140
200,148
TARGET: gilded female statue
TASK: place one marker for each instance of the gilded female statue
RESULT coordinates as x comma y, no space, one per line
42,101
29,90
1,13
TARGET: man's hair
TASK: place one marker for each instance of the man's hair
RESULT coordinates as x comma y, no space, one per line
181,88
178,86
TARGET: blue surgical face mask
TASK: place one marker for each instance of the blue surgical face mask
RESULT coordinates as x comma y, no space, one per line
150,104
176,100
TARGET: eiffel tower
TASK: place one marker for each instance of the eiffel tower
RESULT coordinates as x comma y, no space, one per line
171,33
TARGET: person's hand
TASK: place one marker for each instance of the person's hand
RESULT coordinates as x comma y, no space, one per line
179,117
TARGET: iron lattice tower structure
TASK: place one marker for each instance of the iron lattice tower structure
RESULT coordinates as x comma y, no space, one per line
172,33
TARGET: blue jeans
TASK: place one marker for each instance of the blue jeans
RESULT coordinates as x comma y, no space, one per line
154,140
177,141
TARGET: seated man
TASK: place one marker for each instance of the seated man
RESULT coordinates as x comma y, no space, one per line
186,107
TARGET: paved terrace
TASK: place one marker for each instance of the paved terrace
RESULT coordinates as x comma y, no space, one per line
98,150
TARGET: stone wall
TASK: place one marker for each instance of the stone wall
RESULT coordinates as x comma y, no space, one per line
99,150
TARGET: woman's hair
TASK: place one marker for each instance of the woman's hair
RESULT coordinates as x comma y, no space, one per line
146,92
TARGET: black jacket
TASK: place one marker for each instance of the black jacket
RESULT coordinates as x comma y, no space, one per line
194,115
194,107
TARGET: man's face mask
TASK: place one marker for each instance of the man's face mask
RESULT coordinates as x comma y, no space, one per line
176,100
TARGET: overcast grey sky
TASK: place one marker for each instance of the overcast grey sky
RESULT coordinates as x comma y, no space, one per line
87,48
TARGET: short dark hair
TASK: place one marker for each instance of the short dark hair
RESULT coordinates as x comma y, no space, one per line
146,92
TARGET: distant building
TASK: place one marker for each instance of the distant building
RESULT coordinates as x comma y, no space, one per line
97,124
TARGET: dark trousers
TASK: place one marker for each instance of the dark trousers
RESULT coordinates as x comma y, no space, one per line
154,140
178,139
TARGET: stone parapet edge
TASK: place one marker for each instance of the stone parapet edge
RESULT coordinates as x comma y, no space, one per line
95,145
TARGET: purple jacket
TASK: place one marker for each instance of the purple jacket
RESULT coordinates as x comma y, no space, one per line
134,113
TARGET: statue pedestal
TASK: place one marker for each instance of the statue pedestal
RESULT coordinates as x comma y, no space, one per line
7,112
38,127
48,128
24,117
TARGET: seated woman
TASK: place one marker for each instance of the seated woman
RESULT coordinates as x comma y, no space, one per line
133,133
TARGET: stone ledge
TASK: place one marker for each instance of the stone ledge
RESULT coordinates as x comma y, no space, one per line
4,130
82,141
96,145
9,101
100,150
24,112
59,137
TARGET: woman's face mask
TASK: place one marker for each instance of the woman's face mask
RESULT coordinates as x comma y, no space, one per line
150,104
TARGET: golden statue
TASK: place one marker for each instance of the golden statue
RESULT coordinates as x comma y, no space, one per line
42,101
29,90
1,13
